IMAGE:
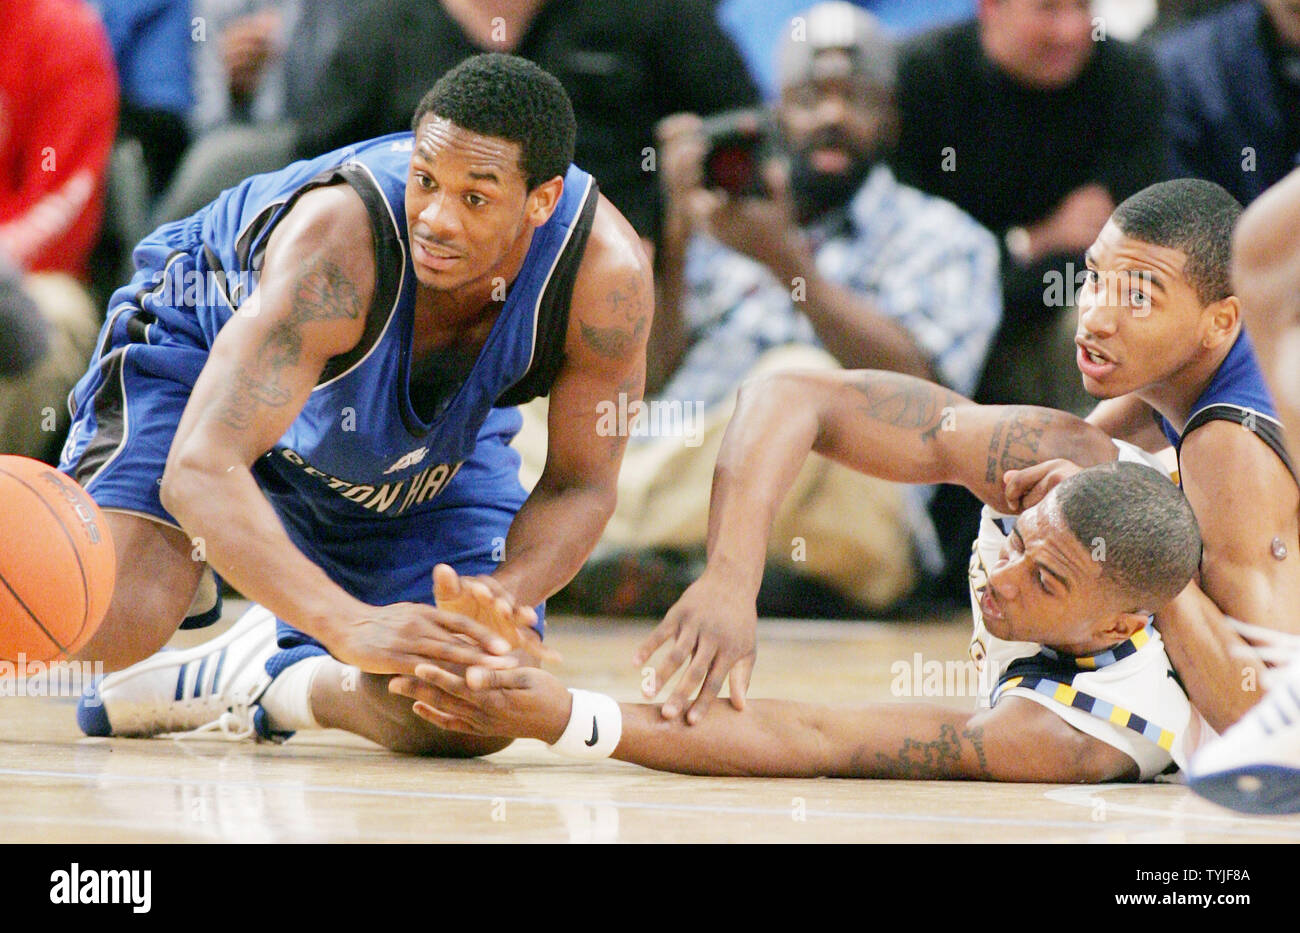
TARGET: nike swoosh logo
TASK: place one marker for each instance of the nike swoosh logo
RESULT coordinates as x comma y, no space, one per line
595,733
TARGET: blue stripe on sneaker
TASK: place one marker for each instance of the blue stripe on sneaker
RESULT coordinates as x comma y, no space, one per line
198,678
180,682
216,673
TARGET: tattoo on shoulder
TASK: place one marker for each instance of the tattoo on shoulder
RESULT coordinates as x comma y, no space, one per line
1015,440
323,292
904,402
628,308
938,758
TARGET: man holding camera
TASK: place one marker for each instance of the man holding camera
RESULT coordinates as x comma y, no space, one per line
825,264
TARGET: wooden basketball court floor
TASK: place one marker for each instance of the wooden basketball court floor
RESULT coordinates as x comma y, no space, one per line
59,786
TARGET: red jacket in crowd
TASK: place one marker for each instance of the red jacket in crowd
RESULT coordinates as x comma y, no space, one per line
58,114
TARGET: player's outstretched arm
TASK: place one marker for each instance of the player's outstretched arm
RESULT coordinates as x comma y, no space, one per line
884,424
1018,740
310,305
1223,674
1266,277
604,364
880,423
1246,504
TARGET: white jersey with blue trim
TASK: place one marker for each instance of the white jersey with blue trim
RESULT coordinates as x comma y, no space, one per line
1127,697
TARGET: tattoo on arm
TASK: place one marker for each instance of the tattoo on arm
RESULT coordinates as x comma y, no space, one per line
616,442
323,293
629,306
905,402
1015,441
936,759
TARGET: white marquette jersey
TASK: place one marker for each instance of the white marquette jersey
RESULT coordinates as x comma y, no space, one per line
1127,697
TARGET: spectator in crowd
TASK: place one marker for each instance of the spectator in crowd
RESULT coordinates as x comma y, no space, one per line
24,335
58,115
153,49
1034,121
1020,117
842,267
757,26
257,63
1170,14
624,65
1233,80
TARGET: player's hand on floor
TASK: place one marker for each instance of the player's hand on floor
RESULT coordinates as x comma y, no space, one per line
1026,488
521,702
711,630
395,639
485,600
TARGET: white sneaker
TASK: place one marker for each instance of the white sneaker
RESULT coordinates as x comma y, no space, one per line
1255,766
211,687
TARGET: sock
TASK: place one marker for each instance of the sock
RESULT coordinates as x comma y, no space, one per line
287,701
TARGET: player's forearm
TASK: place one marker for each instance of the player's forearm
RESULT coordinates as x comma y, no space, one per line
879,423
551,537
765,444
1220,671
234,528
780,738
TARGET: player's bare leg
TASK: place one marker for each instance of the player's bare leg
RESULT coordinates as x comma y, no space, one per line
156,580
344,698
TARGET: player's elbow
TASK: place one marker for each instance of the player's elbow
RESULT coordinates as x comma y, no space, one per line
761,397
184,483
176,489
1076,440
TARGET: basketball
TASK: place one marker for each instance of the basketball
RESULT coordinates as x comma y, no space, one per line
57,563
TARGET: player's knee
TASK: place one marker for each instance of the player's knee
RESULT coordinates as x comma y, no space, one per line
132,629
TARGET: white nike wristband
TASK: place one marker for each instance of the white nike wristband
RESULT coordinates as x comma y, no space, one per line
595,726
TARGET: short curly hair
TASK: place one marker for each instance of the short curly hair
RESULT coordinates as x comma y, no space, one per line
1150,541
513,99
1191,215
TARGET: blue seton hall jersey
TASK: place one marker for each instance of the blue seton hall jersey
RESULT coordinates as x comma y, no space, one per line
1237,393
359,443
365,477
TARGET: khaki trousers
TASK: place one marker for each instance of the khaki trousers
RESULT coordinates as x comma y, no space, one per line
34,406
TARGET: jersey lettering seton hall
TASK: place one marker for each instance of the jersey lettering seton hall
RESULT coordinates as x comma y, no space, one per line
384,458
